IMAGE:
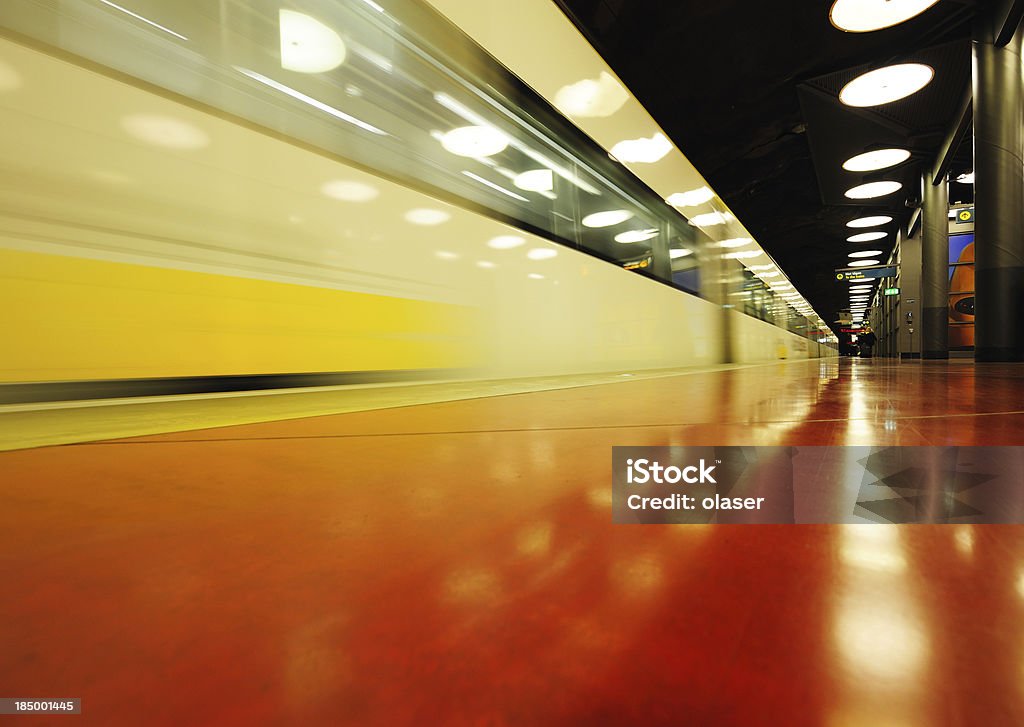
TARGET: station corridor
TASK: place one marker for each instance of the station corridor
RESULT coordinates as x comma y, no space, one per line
455,563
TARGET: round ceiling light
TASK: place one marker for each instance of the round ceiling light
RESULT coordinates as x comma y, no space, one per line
966,178
866,236
865,253
885,85
863,16
474,141
873,189
873,160
863,263
606,219
870,221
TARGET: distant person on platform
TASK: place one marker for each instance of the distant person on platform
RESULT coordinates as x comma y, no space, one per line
866,341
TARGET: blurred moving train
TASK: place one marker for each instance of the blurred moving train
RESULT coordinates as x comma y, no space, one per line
315,192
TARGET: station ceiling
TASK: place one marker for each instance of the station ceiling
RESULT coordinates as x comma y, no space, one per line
748,91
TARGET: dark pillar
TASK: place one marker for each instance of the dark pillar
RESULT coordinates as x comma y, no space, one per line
999,196
935,269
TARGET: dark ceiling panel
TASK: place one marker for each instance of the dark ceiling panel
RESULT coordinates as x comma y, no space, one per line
724,80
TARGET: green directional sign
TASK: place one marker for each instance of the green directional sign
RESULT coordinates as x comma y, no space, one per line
892,291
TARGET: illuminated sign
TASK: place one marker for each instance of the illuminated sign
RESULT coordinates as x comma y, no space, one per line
965,216
892,291
878,271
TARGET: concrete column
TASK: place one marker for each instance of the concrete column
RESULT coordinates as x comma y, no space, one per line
935,270
999,197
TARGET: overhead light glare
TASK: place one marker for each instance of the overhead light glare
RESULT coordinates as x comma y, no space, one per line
606,218
863,263
636,235
966,178
535,180
126,11
873,189
506,242
874,221
541,253
307,45
864,16
677,252
711,219
474,141
874,160
591,98
865,253
885,85
643,150
427,217
693,198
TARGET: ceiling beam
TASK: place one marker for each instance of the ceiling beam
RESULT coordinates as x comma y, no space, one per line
958,127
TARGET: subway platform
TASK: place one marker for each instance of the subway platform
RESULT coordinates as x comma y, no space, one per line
455,563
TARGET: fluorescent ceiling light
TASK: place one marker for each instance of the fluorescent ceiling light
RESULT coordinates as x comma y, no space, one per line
867,236
860,288
315,103
643,150
307,45
885,85
966,178
126,11
873,189
541,253
865,253
864,263
474,141
535,180
874,160
165,131
427,217
711,219
863,16
607,218
676,252
870,221
693,198
636,235
506,242
349,191
591,98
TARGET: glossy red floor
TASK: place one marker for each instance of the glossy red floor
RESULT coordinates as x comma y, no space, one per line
455,564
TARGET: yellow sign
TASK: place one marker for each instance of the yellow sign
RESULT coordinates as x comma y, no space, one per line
965,215
853,275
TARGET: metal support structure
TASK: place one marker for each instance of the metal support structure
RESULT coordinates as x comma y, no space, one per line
935,270
999,193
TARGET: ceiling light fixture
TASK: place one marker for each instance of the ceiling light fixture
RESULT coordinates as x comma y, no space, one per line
874,160
966,178
873,189
864,16
885,85
864,263
865,253
867,236
607,218
870,221
591,98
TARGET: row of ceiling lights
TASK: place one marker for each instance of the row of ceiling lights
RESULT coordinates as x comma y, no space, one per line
875,88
